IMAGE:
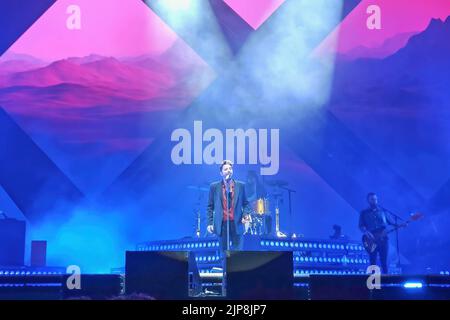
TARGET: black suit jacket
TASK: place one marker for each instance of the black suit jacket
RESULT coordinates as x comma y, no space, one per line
215,209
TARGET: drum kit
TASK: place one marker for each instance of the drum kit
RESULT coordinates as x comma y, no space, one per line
259,222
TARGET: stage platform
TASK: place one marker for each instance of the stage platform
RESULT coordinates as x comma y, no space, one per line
310,256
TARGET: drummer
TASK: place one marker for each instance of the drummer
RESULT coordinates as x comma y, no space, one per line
255,190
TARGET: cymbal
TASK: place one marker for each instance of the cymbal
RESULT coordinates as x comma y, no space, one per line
198,188
277,183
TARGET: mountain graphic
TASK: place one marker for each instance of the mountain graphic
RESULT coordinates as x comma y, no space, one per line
399,105
82,109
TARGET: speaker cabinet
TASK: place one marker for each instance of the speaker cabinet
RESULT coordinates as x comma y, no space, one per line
259,275
162,275
12,242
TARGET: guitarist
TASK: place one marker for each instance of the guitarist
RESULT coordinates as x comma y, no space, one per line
373,222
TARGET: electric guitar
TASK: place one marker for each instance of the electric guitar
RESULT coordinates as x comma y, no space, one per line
370,241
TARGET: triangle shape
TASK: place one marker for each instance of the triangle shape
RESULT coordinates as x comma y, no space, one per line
95,95
254,12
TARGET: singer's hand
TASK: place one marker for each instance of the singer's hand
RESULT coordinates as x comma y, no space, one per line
210,228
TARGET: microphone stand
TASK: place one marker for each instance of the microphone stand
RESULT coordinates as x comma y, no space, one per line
290,191
224,261
396,217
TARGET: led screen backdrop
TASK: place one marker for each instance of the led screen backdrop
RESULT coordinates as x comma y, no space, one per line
115,115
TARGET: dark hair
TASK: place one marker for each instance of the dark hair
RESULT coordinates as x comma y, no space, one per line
370,194
224,162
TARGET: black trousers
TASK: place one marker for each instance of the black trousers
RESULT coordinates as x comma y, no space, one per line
236,239
382,252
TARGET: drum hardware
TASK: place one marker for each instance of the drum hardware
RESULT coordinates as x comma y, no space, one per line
256,222
281,184
197,212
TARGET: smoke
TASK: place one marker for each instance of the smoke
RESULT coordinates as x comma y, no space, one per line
90,237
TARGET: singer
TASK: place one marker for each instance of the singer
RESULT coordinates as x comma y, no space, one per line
228,209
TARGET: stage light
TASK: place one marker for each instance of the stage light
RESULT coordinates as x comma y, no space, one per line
178,5
320,246
315,245
296,245
412,285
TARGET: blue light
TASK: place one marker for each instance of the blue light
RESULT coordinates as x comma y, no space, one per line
209,244
262,243
315,245
271,243
281,244
277,244
296,245
291,245
320,246
297,259
320,259
301,245
302,259
412,285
